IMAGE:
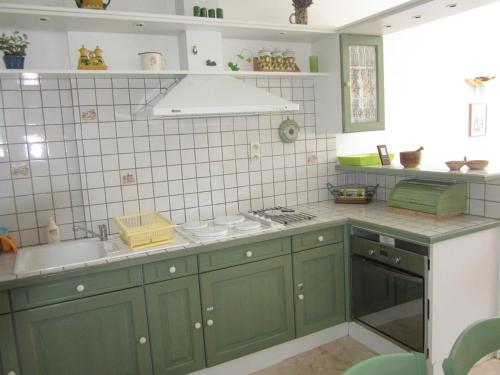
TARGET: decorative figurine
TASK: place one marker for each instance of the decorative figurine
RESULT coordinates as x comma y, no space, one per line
92,4
210,63
91,60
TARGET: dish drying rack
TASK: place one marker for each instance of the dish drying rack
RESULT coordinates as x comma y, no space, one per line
145,229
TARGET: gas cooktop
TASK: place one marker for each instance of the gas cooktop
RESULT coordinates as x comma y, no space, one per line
282,215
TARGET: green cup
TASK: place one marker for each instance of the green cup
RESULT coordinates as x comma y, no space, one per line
203,12
313,64
211,13
196,11
220,13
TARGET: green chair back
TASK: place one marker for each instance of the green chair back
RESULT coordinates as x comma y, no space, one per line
477,341
391,364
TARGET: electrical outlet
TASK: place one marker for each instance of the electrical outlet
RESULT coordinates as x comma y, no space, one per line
254,152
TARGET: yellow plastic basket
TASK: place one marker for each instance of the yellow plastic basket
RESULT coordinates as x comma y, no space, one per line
145,229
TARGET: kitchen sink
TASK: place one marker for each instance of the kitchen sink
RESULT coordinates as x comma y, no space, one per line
37,258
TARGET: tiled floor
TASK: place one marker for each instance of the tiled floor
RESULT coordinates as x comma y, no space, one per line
336,357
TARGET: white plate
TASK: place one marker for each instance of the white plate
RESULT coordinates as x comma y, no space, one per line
248,226
214,231
194,225
229,220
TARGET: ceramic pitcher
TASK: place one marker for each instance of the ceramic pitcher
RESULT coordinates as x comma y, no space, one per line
299,16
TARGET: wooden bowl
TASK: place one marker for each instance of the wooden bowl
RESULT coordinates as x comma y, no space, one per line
477,165
455,165
410,159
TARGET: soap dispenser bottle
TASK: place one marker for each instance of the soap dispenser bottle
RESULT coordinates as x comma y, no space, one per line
53,232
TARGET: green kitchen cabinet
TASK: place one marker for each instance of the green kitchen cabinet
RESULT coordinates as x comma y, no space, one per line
247,308
100,335
319,288
8,355
362,74
175,325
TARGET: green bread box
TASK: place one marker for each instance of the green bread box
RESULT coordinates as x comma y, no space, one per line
361,159
432,197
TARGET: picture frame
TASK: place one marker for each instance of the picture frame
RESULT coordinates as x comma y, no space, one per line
384,155
478,117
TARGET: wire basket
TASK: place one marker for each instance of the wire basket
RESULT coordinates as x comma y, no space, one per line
145,229
360,194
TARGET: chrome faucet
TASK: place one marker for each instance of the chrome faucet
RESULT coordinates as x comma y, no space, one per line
103,231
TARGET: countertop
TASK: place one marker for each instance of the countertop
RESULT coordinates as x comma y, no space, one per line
375,216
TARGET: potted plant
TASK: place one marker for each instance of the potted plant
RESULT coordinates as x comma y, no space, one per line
300,14
14,49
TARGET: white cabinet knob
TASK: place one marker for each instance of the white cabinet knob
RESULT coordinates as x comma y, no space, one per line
197,325
249,254
301,297
321,239
80,288
210,322
11,373
142,340
172,269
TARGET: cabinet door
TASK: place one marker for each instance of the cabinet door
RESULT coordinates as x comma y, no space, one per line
102,335
362,83
247,308
8,355
319,288
175,324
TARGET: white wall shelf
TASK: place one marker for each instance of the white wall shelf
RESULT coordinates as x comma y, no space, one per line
409,14
74,19
35,73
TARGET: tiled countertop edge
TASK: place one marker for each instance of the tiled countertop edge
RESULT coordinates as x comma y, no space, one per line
159,254
466,176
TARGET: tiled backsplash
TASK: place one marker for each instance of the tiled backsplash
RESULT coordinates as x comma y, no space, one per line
80,150
483,199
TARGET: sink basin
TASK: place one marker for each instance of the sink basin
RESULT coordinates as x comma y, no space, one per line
37,258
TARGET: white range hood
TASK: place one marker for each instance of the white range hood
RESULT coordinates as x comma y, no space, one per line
211,95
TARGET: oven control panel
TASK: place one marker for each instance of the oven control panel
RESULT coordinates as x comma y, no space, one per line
392,256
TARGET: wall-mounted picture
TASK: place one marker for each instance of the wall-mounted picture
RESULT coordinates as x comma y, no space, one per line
477,119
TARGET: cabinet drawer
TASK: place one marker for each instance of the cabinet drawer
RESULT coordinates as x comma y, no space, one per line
317,238
65,289
4,302
244,254
170,269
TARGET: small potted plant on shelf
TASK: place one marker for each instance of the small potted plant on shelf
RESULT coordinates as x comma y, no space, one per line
300,15
14,49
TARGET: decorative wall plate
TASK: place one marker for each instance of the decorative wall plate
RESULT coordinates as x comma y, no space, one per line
289,131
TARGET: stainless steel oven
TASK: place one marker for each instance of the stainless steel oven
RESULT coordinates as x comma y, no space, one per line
388,286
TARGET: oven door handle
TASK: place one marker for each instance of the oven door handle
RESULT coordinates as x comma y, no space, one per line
398,274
